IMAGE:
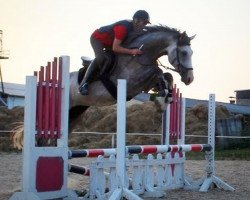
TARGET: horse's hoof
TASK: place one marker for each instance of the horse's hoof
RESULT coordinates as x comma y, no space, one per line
84,89
169,100
84,92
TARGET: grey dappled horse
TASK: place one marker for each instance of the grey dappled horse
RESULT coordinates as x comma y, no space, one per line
141,72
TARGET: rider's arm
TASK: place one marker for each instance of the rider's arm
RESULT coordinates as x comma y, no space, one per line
119,49
120,33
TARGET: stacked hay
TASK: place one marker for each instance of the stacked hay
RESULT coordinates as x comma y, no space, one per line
197,122
9,119
141,118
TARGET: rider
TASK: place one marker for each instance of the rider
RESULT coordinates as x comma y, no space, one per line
112,36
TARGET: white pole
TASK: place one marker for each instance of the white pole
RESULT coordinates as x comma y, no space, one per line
121,132
30,131
166,126
211,128
63,142
113,141
183,121
121,191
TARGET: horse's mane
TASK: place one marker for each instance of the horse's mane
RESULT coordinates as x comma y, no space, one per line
159,28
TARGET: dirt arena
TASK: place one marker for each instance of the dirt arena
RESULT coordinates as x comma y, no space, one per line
236,173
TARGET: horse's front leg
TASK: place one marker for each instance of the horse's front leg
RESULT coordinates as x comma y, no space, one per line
165,89
169,85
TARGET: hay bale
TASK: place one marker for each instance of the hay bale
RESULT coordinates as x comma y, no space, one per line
222,112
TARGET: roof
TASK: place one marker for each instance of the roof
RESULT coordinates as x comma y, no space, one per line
13,89
241,90
233,108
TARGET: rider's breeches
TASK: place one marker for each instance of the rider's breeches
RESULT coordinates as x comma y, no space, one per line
98,50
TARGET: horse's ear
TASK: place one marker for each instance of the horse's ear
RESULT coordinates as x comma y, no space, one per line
192,37
183,34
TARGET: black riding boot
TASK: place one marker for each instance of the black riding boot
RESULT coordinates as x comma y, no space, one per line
84,87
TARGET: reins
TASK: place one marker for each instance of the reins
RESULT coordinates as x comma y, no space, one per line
166,67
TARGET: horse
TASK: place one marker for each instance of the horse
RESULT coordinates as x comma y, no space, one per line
142,72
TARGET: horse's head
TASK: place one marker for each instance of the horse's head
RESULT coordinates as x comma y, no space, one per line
156,41
162,40
179,56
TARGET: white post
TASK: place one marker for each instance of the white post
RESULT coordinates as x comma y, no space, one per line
29,130
183,121
211,179
121,191
211,128
165,126
113,141
121,131
63,142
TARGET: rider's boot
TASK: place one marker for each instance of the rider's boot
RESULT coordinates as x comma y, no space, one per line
84,86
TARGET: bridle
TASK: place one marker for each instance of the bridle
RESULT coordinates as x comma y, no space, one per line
166,67
181,68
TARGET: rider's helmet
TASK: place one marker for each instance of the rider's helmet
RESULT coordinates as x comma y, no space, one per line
141,14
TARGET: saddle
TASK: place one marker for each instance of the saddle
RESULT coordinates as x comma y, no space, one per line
103,73
105,69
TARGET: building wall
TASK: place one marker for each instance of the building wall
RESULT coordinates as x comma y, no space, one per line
13,101
243,97
244,102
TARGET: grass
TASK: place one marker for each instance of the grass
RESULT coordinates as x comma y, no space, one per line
222,154
233,154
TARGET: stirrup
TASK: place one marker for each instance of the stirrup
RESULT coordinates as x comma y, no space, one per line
84,89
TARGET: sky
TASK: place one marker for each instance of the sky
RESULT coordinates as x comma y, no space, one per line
36,31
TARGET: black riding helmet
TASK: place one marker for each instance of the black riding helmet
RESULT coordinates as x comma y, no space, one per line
141,14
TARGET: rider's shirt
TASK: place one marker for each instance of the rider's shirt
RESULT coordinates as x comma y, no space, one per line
118,30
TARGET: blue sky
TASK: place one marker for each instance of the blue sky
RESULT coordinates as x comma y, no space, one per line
37,30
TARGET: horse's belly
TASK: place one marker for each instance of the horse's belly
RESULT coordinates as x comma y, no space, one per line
98,96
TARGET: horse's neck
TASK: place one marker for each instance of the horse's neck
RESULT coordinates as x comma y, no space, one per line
157,42
130,68
141,76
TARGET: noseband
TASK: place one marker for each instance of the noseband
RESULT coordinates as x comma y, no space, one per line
180,66
180,69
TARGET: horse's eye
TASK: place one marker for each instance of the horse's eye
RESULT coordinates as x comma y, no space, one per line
184,53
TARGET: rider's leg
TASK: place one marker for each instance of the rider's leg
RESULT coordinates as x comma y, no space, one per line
84,88
98,49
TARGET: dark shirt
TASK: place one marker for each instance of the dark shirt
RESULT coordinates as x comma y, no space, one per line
118,30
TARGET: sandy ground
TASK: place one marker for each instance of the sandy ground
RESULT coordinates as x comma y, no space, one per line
236,173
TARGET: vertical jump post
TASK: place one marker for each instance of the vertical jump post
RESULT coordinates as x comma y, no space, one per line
122,191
